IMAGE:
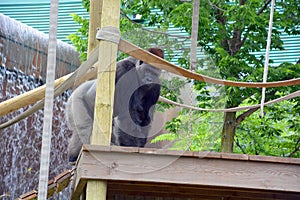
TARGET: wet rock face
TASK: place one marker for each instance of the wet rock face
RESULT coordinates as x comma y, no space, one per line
21,143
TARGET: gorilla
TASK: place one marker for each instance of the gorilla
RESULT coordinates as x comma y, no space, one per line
136,93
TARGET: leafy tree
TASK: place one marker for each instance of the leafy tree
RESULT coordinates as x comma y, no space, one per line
231,32
276,133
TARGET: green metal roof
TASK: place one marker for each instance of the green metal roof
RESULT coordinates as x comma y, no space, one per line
36,14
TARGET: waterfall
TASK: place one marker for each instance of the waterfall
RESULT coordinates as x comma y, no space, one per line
23,58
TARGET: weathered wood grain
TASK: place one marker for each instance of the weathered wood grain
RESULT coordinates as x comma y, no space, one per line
199,172
109,13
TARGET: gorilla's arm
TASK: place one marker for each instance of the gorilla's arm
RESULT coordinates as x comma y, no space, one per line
141,103
80,114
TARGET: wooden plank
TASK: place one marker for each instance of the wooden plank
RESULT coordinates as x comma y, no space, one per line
96,189
95,22
29,195
140,167
126,188
77,192
274,159
104,97
106,76
78,184
233,156
207,154
196,154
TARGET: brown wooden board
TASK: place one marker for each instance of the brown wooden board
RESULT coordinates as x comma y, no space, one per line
132,190
192,174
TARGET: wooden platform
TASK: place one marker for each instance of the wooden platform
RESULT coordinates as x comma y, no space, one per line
139,173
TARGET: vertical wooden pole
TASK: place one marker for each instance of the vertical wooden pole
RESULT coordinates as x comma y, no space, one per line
95,22
110,16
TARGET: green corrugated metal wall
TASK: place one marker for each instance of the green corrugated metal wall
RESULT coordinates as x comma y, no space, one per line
36,14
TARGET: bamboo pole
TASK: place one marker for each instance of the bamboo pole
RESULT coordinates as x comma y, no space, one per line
110,16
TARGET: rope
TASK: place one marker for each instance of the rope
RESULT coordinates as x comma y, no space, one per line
263,95
160,63
235,109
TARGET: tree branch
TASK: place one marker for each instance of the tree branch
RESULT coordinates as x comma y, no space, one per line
264,7
245,37
215,6
239,145
152,31
243,116
242,2
259,12
235,42
221,19
297,148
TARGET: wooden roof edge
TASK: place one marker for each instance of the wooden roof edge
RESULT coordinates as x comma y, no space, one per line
195,154
59,183
28,195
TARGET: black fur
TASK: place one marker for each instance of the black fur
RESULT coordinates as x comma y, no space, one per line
137,91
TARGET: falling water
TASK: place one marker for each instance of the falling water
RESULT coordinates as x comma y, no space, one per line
22,68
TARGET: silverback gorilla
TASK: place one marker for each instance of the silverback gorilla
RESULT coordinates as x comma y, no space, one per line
136,92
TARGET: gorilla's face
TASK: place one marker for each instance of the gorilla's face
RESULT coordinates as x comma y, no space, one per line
147,74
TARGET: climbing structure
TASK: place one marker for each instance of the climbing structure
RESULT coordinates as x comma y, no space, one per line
104,172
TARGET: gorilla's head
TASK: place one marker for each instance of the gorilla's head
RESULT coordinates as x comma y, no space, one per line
148,74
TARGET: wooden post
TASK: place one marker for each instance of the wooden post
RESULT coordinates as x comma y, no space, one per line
110,16
95,22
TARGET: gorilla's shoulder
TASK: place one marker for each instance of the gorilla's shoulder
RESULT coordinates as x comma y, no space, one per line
127,63
125,66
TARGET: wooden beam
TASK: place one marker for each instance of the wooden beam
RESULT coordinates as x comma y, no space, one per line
27,98
95,22
195,169
85,72
109,16
165,191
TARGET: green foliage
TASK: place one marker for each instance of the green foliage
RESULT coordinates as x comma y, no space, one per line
275,134
171,90
203,131
80,39
230,32
86,4
174,128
